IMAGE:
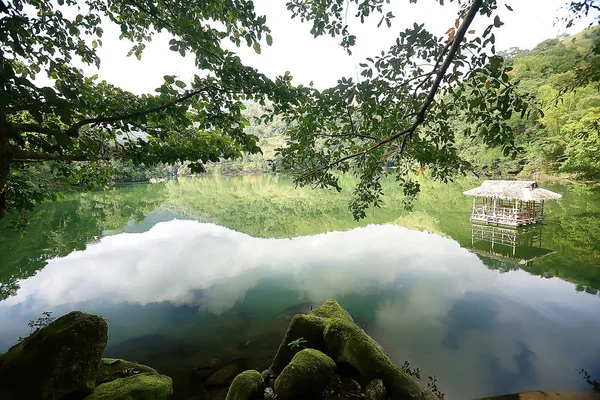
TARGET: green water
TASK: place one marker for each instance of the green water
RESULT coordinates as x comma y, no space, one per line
215,267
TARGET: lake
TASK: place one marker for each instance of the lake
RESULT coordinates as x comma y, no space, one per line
195,269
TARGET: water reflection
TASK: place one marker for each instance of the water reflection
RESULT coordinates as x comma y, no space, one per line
519,246
184,289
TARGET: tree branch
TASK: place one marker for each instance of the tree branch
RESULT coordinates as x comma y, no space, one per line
33,156
420,118
73,130
34,128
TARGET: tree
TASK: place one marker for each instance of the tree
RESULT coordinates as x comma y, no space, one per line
398,114
78,119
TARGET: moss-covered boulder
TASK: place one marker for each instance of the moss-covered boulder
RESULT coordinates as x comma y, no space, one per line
143,386
248,385
347,343
309,328
57,361
330,329
305,377
115,368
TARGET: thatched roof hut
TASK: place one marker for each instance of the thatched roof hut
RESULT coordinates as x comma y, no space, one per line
513,203
514,190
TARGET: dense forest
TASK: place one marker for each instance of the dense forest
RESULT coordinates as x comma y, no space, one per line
560,137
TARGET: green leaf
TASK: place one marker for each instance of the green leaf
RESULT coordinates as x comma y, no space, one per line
180,84
170,79
256,47
269,40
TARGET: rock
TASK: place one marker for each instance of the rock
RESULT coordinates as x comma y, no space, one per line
143,386
57,361
332,309
330,329
347,343
223,376
305,377
114,368
248,385
203,371
307,327
376,390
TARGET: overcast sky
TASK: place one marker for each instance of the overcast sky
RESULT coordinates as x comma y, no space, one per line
322,60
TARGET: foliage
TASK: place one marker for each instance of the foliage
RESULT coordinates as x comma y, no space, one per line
595,384
42,322
416,373
564,137
80,119
297,344
400,111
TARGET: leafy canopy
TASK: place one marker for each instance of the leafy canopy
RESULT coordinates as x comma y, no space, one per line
398,114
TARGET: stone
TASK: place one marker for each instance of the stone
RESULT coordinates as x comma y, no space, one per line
223,376
347,343
331,330
248,385
204,370
303,326
114,368
375,390
144,386
305,377
60,360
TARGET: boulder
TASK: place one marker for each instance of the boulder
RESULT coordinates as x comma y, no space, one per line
331,330
223,376
114,368
347,343
305,377
310,328
57,361
143,386
248,385
375,390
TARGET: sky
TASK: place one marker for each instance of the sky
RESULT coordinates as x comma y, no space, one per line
321,60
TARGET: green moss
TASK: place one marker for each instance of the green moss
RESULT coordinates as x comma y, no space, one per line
307,326
332,309
137,387
57,361
350,344
114,368
248,385
305,377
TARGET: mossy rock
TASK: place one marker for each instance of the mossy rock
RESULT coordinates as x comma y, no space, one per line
332,309
248,385
144,386
347,343
115,368
305,377
60,360
309,327
330,329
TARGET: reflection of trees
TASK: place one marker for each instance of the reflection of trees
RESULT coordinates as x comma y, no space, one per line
269,206
58,228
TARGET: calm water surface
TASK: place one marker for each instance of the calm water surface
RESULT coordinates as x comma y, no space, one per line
201,268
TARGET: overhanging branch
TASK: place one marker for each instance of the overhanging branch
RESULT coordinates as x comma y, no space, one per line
73,130
420,115
33,156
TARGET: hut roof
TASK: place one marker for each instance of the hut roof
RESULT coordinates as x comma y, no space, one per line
519,190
